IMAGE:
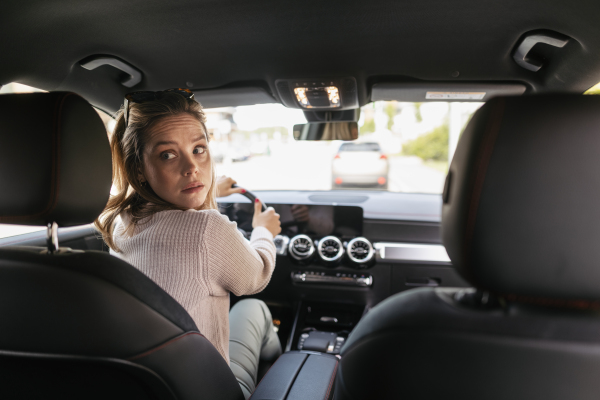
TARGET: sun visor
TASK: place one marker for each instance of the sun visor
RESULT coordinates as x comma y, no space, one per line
440,91
232,97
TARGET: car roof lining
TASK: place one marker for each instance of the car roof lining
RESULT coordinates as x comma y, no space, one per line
213,45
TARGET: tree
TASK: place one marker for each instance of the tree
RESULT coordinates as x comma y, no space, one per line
430,146
390,110
368,126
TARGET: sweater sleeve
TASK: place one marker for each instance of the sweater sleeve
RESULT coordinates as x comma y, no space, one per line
236,264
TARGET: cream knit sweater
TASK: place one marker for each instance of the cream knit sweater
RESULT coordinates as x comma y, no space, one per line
198,257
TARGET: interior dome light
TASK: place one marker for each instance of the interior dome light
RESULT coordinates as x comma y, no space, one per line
318,97
334,94
301,96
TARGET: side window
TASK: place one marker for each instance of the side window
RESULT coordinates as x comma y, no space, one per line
15,87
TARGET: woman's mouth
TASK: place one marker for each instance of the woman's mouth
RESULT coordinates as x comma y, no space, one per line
193,187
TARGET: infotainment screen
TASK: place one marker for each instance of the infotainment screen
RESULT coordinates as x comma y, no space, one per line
312,220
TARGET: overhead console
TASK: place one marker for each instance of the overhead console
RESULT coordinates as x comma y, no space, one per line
323,94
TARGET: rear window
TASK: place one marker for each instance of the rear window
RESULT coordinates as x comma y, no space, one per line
360,147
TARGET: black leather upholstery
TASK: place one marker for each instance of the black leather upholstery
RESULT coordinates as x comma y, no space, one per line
299,375
520,220
53,160
423,344
84,324
521,213
95,306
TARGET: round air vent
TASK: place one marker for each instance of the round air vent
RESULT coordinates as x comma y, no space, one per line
301,247
330,248
360,250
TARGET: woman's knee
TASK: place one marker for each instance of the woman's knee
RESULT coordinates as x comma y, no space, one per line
252,307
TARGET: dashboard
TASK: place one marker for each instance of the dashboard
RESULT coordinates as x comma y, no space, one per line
325,235
359,248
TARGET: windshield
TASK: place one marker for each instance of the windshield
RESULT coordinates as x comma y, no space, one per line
402,147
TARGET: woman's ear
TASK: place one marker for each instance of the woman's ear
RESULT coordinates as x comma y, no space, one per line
141,177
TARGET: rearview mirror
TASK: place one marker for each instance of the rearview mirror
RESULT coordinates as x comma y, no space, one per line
326,131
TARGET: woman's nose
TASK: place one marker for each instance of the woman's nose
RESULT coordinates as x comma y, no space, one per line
189,166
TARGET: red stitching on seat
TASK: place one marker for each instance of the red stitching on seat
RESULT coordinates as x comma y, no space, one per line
331,380
556,303
480,170
148,352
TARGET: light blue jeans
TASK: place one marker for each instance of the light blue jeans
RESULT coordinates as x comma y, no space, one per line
251,339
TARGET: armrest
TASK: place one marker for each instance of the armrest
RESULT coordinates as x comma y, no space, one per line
298,375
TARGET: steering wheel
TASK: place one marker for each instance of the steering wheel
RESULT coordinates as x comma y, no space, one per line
251,196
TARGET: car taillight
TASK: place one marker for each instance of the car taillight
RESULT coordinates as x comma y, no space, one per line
383,157
337,157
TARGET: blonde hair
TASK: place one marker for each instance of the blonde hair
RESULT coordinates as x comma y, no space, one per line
127,146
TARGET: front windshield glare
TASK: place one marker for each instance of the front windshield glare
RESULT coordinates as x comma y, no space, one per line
402,147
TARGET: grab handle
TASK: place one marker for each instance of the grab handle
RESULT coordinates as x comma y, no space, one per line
135,75
531,61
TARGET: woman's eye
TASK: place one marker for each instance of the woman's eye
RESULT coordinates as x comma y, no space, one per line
167,156
200,150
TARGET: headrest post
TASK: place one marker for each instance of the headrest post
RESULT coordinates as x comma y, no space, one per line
52,238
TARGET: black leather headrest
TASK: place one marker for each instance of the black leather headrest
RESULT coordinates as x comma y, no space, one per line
55,161
521,213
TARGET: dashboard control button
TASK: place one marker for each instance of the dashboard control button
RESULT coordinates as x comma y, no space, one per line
331,278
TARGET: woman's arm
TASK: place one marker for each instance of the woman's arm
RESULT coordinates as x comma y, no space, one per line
234,263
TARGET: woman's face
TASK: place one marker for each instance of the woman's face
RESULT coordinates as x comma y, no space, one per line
177,164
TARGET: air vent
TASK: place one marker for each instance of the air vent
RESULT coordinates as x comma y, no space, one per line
360,250
281,244
330,248
301,247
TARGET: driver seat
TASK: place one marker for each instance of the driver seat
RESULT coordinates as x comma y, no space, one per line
81,324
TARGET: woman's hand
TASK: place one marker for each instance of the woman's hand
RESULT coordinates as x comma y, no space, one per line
224,188
269,219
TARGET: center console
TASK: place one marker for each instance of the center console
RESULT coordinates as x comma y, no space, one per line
321,249
308,367
323,327
298,375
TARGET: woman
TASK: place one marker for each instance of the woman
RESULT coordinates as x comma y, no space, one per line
169,227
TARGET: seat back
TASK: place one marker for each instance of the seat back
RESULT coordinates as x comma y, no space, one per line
520,223
84,324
